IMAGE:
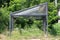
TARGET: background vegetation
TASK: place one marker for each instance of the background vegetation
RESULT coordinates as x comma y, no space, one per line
7,6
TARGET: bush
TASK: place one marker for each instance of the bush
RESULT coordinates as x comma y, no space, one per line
21,4
52,14
3,19
57,28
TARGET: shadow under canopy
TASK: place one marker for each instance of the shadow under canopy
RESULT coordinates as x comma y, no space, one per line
35,11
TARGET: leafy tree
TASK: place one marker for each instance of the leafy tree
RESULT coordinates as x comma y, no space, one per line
2,2
15,5
4,19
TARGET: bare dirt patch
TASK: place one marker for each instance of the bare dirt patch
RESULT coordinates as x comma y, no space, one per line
2,37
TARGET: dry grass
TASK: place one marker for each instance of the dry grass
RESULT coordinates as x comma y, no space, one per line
4,37
27,36
17,36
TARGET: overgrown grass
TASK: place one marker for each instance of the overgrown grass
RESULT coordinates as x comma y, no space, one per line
33,33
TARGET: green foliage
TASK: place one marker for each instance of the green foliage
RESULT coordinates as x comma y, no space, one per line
52,14
23,22
3,18
58,6
2,2
15,5
57,28
52,18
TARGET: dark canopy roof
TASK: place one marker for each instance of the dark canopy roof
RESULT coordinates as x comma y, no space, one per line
32,11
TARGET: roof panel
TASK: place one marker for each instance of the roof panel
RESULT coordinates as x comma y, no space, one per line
38,10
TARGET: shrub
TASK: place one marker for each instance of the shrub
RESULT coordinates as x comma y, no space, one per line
57,28
3,19
21,4
52,14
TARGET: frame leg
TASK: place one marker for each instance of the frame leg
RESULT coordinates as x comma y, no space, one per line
45,25
11,24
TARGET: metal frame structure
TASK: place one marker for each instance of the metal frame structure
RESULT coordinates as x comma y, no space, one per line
36,11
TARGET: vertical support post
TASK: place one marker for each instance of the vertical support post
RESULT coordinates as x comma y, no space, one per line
46,19
10,24
45,25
